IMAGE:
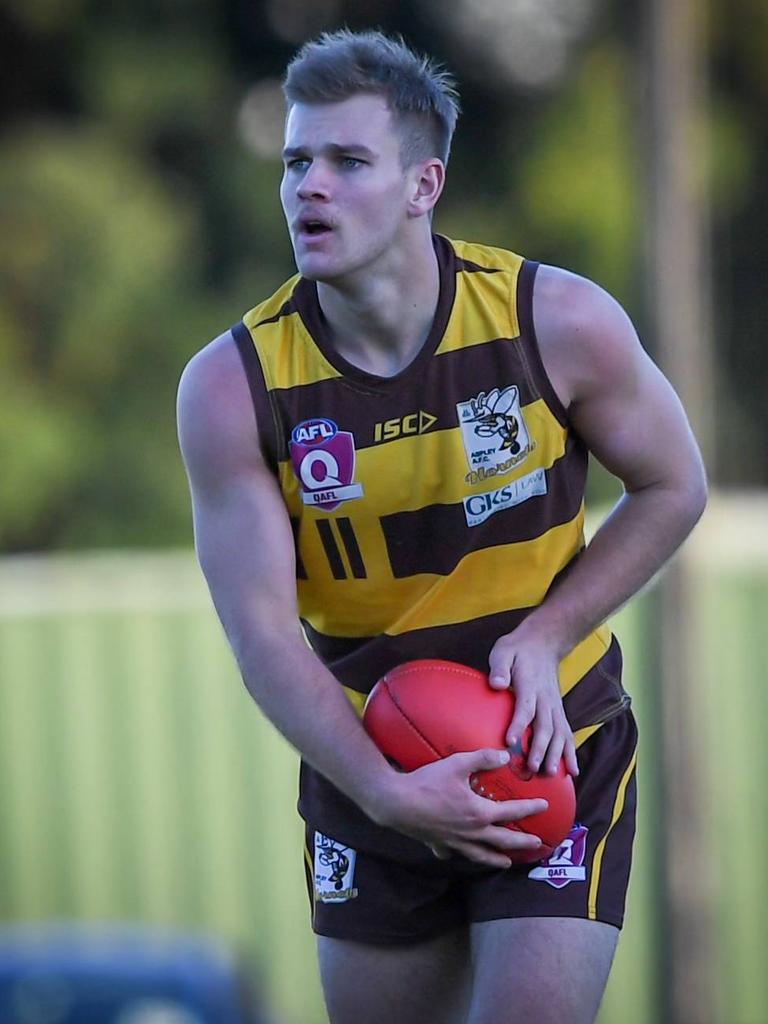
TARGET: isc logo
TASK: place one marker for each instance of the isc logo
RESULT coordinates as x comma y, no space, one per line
414,423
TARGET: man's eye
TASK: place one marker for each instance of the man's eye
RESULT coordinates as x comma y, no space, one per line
351,161
297,163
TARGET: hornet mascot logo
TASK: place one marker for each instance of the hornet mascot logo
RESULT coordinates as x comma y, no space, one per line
491,414
333,858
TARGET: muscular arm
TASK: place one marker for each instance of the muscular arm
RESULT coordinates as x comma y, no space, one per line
632,421
246,550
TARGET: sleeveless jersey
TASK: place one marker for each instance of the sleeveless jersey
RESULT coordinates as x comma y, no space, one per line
432,510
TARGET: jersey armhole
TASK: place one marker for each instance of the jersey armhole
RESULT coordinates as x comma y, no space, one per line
525,282
263,409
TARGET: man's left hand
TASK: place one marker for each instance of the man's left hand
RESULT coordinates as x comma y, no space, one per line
529,666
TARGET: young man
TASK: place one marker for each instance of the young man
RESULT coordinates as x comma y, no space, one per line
391,451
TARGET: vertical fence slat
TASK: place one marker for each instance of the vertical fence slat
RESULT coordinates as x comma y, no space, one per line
632,993
735,696
36,881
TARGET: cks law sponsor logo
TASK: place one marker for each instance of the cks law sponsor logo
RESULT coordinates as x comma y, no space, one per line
479,507
323,459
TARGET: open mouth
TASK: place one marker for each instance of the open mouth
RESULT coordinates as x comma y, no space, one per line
314,228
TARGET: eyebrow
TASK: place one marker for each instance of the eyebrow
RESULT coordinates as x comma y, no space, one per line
332,148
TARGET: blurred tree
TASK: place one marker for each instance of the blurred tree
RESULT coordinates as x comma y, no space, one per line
584,151
91,248
139,212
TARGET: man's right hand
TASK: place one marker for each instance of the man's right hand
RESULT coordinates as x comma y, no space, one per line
436,805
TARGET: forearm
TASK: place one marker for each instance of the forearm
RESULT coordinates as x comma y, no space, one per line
642,532
307,705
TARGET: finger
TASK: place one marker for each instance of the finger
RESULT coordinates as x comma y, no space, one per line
500,662
569,752
479,760
561,746
508,839
525,709
543,728
481,854
514,810
554,753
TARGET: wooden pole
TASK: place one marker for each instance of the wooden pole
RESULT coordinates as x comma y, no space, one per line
678,277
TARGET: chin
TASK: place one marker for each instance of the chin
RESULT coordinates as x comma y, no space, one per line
319,270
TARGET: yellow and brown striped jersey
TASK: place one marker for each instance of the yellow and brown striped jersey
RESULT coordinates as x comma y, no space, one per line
434,509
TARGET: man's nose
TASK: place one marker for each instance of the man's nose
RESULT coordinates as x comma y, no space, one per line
315,183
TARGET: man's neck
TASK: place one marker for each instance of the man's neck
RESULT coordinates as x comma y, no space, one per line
380,322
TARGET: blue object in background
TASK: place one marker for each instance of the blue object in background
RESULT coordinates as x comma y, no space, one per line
119,974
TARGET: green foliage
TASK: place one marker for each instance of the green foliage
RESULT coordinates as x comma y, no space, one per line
141,83
581,180
135,224
95,249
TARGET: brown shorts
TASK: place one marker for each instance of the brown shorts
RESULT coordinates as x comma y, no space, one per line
367,898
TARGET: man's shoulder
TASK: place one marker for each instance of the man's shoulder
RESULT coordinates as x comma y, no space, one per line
213,378
215,413
490,258
280,302
568,306
586,339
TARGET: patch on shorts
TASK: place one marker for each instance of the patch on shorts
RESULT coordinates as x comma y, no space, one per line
334,870
566,864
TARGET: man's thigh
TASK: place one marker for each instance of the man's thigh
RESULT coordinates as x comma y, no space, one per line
410,983
392,938
543,970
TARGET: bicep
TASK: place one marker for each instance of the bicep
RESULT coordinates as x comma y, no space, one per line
243,534
618,400
245,547
635,424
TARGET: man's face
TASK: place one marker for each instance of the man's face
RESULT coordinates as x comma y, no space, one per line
344,191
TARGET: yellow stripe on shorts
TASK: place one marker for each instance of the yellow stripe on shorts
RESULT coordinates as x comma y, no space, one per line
582,735
597,861
311,865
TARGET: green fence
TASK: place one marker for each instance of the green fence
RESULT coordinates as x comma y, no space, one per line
139,782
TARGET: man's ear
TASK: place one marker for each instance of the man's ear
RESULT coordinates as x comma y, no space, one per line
427,179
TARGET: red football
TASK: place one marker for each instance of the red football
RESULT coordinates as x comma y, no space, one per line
425,710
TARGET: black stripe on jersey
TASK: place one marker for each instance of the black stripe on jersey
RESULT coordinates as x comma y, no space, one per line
409,536
352,548
525,283
598,696
353,659
332,552
463,374
270,437
439,641
301,572
288,307
475,268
